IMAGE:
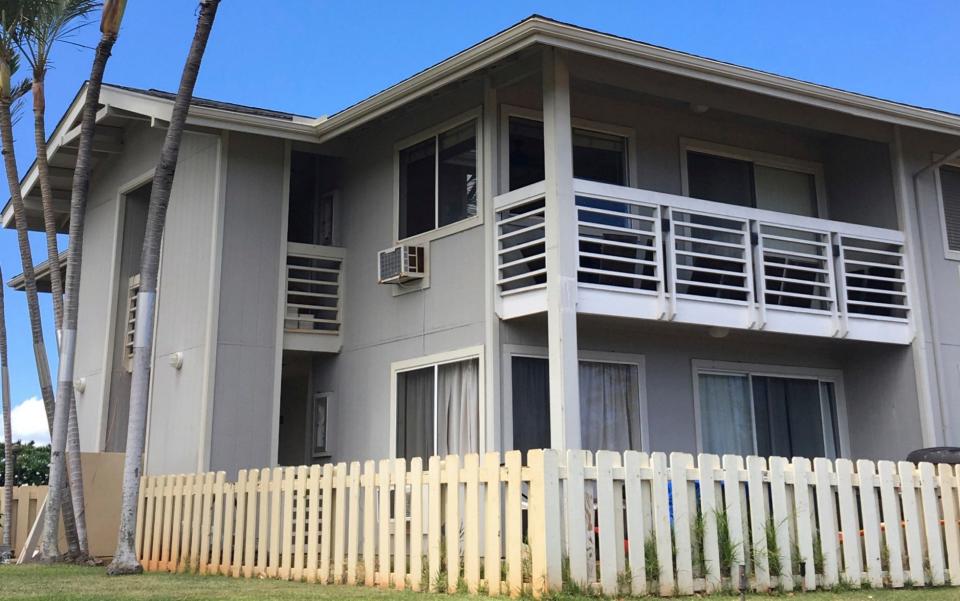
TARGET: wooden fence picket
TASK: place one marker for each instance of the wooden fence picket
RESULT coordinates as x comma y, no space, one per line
827,520
732,464
369,522
911,521
804,515
451,520
286,529
353,522
164,563
197,530
433,524
263,522
299,523
229,508
383,548
141,523
849,523
148,503
682,522
250,525
173,557
661,523
871,522
240,523
216,545
326,523
400,524
893,531
206,516
781,521
471,522
339,520
491,538
709,512
183,560
514,524
951,514
759,522
313,523
576,520
276,521
605,511
931,520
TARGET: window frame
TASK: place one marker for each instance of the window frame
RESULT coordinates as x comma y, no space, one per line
421,136
735,368
610,129
949,254
436,360
757,157
539,352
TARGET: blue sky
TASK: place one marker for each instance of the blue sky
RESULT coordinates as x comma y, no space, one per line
316,57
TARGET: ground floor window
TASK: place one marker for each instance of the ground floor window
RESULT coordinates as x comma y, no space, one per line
748,413
438,409
610,407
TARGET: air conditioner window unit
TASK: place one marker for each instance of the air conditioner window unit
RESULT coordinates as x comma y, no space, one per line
401,264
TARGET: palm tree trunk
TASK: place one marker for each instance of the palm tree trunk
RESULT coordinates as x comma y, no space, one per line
36,327
64,423
56,289
125,557
7,431
46,197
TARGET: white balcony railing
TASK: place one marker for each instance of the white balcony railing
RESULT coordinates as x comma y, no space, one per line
313,289
650,255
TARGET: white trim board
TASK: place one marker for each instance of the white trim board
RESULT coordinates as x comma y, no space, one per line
951,254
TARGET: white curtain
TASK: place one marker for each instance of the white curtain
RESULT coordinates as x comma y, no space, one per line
726,423
609,406
458,408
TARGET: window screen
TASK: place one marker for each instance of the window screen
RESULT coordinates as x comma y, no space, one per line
950,191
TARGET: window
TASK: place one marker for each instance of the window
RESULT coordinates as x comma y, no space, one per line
762,182
610,407
950,209
767,415
438,180
438,409
318,431
597,156
313,212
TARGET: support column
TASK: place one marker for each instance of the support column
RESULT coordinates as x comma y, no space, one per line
561,254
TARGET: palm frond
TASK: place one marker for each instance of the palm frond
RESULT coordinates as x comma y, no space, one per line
45,23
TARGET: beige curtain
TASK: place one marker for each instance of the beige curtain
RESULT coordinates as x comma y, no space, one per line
458,407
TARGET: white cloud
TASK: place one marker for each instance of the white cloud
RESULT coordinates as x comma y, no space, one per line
30,421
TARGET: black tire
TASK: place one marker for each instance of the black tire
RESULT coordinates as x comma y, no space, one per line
949,455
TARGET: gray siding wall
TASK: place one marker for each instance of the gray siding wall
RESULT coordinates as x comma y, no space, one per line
174,430
247,329
941,311
176,420
380,328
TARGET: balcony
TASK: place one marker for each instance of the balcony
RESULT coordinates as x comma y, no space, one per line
314,299
649,255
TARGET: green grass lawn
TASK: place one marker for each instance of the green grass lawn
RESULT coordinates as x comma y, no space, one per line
71,583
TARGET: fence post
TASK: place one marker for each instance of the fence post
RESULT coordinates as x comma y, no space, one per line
781,520
849,526
514,524
931,518
708,466
544,521
605,510
471,522
679,463
491,553
891,518
871,522
576,518
433,524
661,523
339,520
400,524
353,525
313,522
369,523
911,521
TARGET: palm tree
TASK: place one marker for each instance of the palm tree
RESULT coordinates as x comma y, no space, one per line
125,557
66,412
7,430
9,94
49,22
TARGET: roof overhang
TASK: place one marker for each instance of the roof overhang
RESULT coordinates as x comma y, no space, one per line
117,108
42,273
540,30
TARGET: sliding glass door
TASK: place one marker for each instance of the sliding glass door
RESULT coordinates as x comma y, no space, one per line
753,414
609,404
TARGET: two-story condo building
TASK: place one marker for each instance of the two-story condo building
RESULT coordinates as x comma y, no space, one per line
590,242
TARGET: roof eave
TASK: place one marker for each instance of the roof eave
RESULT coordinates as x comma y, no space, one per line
570,37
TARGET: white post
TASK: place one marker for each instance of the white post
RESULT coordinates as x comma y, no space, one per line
561,251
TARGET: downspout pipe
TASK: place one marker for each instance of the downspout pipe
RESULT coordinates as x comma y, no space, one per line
927,278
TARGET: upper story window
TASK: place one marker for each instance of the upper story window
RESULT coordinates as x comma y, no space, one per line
597,156
438,180
755,180
950,209
313,211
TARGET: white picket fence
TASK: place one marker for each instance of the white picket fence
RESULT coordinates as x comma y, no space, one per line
621,524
